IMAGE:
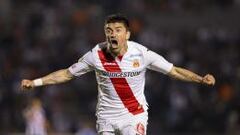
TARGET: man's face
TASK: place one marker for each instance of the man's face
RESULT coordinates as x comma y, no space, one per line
116,36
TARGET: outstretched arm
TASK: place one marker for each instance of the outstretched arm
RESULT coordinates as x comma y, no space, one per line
186,75
57,77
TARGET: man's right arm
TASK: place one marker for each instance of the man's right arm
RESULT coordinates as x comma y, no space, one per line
57,77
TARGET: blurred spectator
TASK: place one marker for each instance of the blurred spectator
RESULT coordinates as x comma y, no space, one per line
36,122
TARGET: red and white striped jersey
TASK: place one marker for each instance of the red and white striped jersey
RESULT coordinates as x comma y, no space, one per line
120,80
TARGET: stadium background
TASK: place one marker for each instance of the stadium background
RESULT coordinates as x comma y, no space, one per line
41,36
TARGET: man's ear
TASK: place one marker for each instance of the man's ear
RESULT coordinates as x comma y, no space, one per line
128,35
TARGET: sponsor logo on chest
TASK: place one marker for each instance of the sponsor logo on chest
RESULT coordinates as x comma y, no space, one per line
119,74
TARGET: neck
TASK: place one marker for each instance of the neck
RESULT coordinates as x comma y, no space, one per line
121,52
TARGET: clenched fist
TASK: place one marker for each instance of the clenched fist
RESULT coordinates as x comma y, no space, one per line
208,79
27,84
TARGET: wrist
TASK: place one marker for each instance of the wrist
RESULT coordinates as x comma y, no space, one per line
38,82
202,80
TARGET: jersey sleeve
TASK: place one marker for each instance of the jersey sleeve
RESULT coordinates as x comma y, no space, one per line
157,63
84,65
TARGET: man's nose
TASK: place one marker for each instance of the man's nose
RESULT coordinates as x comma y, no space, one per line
113,35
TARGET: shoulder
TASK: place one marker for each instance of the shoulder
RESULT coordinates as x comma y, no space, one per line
100,46
137,46
91,54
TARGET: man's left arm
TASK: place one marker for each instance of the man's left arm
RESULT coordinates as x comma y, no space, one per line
186,75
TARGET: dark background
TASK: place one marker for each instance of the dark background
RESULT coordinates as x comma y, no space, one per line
40,36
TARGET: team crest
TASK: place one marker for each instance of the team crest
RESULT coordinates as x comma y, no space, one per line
136,63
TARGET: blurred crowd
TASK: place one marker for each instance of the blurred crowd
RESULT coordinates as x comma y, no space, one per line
40,36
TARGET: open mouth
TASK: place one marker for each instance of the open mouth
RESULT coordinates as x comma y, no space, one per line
113,41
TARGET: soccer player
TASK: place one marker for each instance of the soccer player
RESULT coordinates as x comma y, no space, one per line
120,66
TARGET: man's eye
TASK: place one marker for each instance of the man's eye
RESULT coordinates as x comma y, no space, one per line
108,31
118,30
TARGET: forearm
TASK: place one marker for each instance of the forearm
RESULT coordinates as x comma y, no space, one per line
57,77
185,75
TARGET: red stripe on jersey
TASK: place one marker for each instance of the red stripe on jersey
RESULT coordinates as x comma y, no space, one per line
121,85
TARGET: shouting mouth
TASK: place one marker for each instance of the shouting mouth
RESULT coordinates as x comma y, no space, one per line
113,43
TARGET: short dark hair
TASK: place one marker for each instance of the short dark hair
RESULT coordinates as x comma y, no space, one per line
117,18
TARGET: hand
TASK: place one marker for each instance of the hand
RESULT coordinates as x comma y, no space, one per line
27,85
208,79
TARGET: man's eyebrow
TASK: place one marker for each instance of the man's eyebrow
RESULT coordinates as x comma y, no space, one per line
108,28
119,27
